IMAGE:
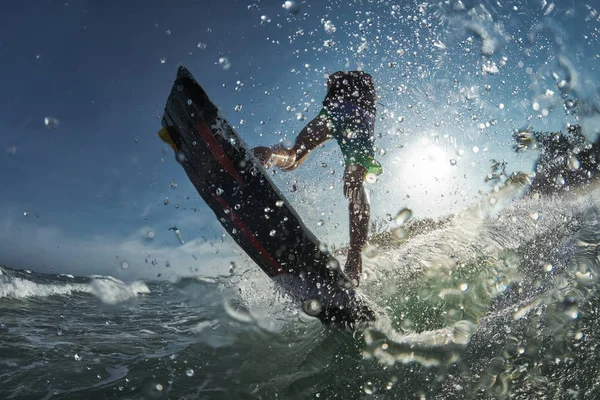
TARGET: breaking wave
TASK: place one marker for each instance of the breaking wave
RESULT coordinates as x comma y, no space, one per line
24,285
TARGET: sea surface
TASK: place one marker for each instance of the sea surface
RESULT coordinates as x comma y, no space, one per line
499,301
490,290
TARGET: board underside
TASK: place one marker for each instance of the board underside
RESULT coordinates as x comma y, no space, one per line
251,208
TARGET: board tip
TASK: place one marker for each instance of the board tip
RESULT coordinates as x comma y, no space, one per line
183,72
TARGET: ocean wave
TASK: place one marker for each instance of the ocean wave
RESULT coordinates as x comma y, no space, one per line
19,288
107,289
113,291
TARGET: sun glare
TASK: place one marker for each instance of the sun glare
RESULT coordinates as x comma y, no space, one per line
425,171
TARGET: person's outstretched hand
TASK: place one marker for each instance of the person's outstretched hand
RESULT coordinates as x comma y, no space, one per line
263,154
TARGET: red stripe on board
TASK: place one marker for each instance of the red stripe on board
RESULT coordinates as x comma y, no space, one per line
239,224
225,162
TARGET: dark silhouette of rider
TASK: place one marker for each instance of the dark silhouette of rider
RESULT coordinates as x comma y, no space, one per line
348,116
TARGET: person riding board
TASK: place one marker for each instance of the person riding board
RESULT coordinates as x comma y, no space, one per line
348,116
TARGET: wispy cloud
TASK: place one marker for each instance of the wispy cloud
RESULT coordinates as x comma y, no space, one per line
49,248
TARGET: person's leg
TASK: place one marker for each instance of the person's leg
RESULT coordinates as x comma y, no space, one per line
359,213
312,135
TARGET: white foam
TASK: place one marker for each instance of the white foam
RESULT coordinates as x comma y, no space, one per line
109,290
22,288
113,291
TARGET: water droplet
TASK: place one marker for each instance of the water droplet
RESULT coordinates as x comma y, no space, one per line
124,265
150,235
313,307
548,267
167,264
201,45
571,310
238,108
400,234
273,232
76,357
299,116
291,7
180,156
173,185
224,63
279,203
371,178
573,163
51,122
403,216
333,264
382,152
393,380
371,251
163,60
452,161
320,223
369,388
219,191
464,287
329,27
189,372
237,207
25,213
534,216
237,311
166,201
475,149
559,180
159,387
324,165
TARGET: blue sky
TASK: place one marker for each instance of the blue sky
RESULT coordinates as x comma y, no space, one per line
454,82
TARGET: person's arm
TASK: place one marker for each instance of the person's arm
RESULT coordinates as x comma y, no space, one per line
312,135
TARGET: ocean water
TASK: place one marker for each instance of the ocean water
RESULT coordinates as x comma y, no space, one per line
116,281
515,316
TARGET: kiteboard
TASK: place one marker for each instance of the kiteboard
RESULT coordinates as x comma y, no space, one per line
252,209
